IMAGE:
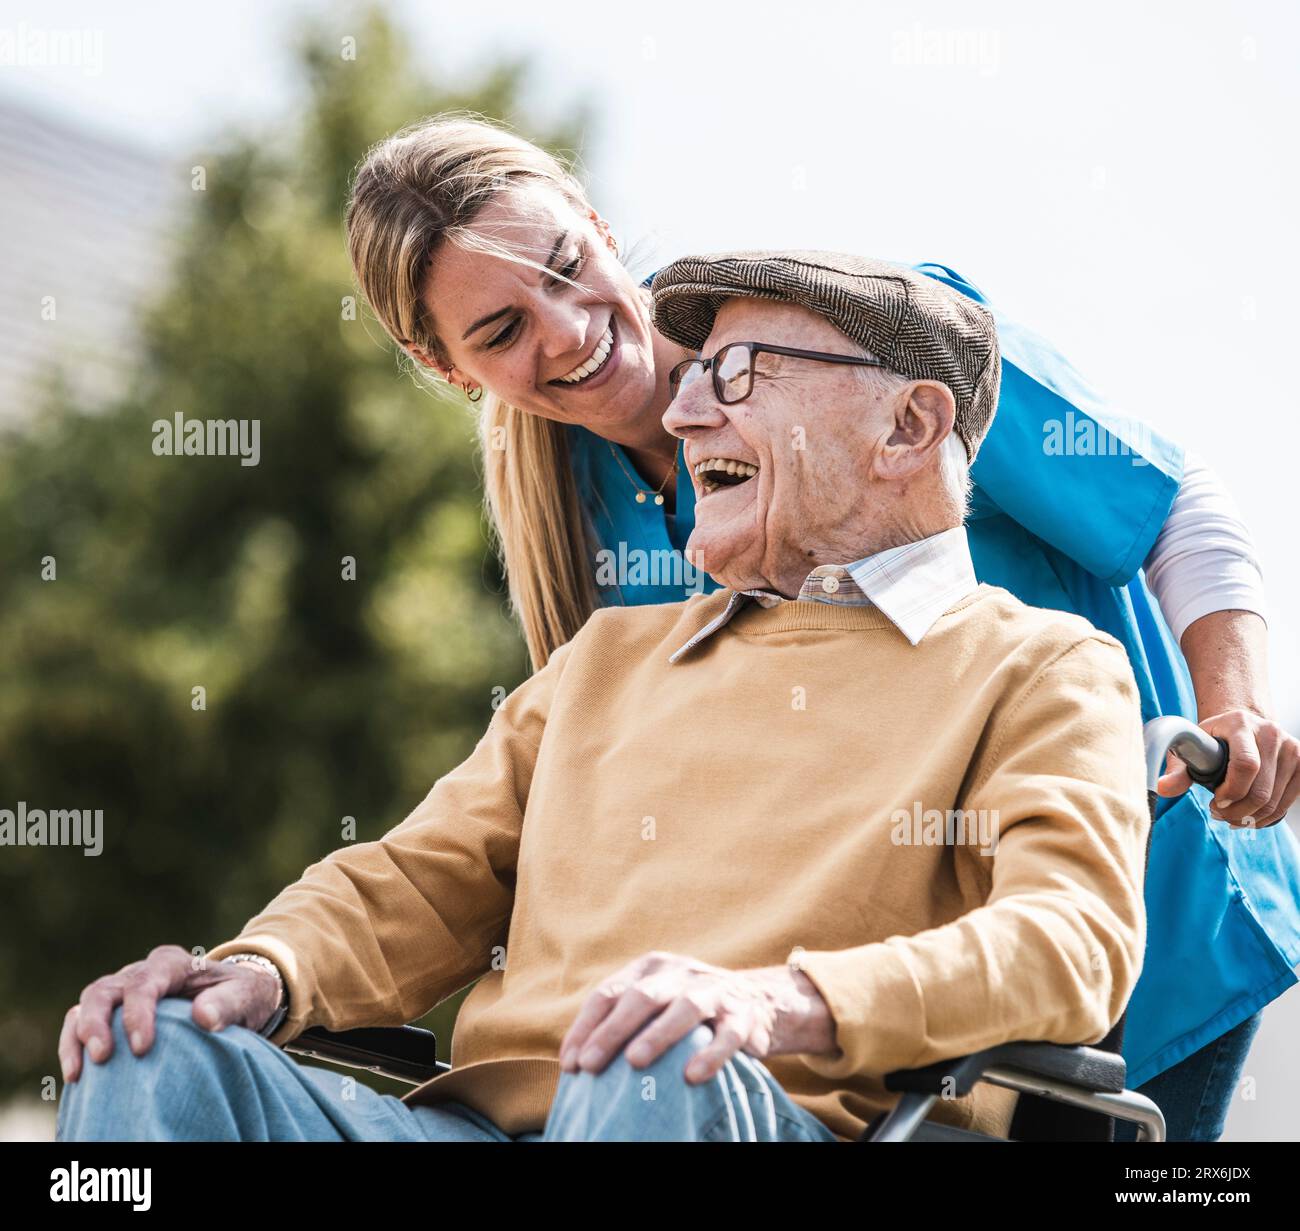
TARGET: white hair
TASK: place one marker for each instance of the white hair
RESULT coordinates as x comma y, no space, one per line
955,471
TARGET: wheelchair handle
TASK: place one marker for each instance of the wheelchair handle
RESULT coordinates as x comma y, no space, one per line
1205,755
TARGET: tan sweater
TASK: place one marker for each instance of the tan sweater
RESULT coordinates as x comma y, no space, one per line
741,802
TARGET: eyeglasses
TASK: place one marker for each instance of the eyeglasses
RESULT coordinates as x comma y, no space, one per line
733,368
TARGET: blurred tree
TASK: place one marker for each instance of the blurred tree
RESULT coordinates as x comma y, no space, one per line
326,698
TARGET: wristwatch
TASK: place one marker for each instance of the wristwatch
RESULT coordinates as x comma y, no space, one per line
282,1007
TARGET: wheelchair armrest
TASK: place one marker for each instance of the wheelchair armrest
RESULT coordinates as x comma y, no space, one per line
1088,1068
404,1053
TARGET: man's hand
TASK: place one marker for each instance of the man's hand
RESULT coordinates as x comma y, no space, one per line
661,997
1263,770
224,993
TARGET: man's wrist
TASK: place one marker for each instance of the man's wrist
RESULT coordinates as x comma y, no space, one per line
802,1020
278,1014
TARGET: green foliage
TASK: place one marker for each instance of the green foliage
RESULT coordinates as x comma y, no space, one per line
326,698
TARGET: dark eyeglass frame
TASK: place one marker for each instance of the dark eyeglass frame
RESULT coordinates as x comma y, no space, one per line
710,365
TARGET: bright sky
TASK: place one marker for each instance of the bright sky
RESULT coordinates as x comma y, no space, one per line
1122,178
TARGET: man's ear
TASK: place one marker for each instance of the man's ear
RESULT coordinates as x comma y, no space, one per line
924,414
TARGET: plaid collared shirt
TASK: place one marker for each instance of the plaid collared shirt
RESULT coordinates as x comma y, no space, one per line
912,585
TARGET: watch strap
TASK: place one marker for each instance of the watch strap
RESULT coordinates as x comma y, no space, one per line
277,1017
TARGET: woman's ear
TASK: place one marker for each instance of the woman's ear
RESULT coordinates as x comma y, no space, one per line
422,357
472,391
602,228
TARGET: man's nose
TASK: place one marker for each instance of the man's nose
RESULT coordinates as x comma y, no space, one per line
695,407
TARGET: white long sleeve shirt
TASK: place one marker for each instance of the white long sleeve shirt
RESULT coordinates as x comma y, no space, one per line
1204,559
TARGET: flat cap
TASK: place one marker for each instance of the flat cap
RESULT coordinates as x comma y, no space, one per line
916,326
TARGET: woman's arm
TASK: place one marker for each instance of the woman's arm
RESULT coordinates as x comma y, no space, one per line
1056,445
1227,654
1203,559
1204,573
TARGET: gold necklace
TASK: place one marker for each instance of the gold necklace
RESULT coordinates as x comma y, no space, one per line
642,493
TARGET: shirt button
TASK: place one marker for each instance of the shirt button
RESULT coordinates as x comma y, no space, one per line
830,584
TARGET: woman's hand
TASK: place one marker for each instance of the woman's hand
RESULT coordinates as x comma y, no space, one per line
1227,655
1263,770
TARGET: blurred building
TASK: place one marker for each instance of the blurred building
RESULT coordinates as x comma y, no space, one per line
84,236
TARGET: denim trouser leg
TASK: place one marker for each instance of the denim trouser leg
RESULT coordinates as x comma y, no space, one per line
233,1085
1196,1093
743,1102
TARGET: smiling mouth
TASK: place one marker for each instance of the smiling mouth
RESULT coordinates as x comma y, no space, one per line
594,363
716,472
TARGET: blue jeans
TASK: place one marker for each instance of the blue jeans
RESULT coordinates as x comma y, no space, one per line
234,1085
1196,1093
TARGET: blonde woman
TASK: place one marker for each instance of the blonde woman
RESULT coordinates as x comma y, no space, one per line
485,262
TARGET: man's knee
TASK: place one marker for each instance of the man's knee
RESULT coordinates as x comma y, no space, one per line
624,1102
671,1065
178,1040
125,1093
174,1027
620,1078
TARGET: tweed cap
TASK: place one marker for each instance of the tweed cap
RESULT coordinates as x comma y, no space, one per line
915,325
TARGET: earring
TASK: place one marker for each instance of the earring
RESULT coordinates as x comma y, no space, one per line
465,386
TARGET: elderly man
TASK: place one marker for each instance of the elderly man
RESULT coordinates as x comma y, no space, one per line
721,865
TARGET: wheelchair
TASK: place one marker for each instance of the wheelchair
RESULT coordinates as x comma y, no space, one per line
1066,1092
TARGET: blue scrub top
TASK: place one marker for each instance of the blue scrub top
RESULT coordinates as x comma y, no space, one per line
1068,500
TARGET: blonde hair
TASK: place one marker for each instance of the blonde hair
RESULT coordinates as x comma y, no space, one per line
412,191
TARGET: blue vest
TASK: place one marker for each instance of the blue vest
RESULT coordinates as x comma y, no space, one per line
1068,500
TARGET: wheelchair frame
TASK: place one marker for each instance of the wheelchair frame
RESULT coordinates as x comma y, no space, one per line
1067,1092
